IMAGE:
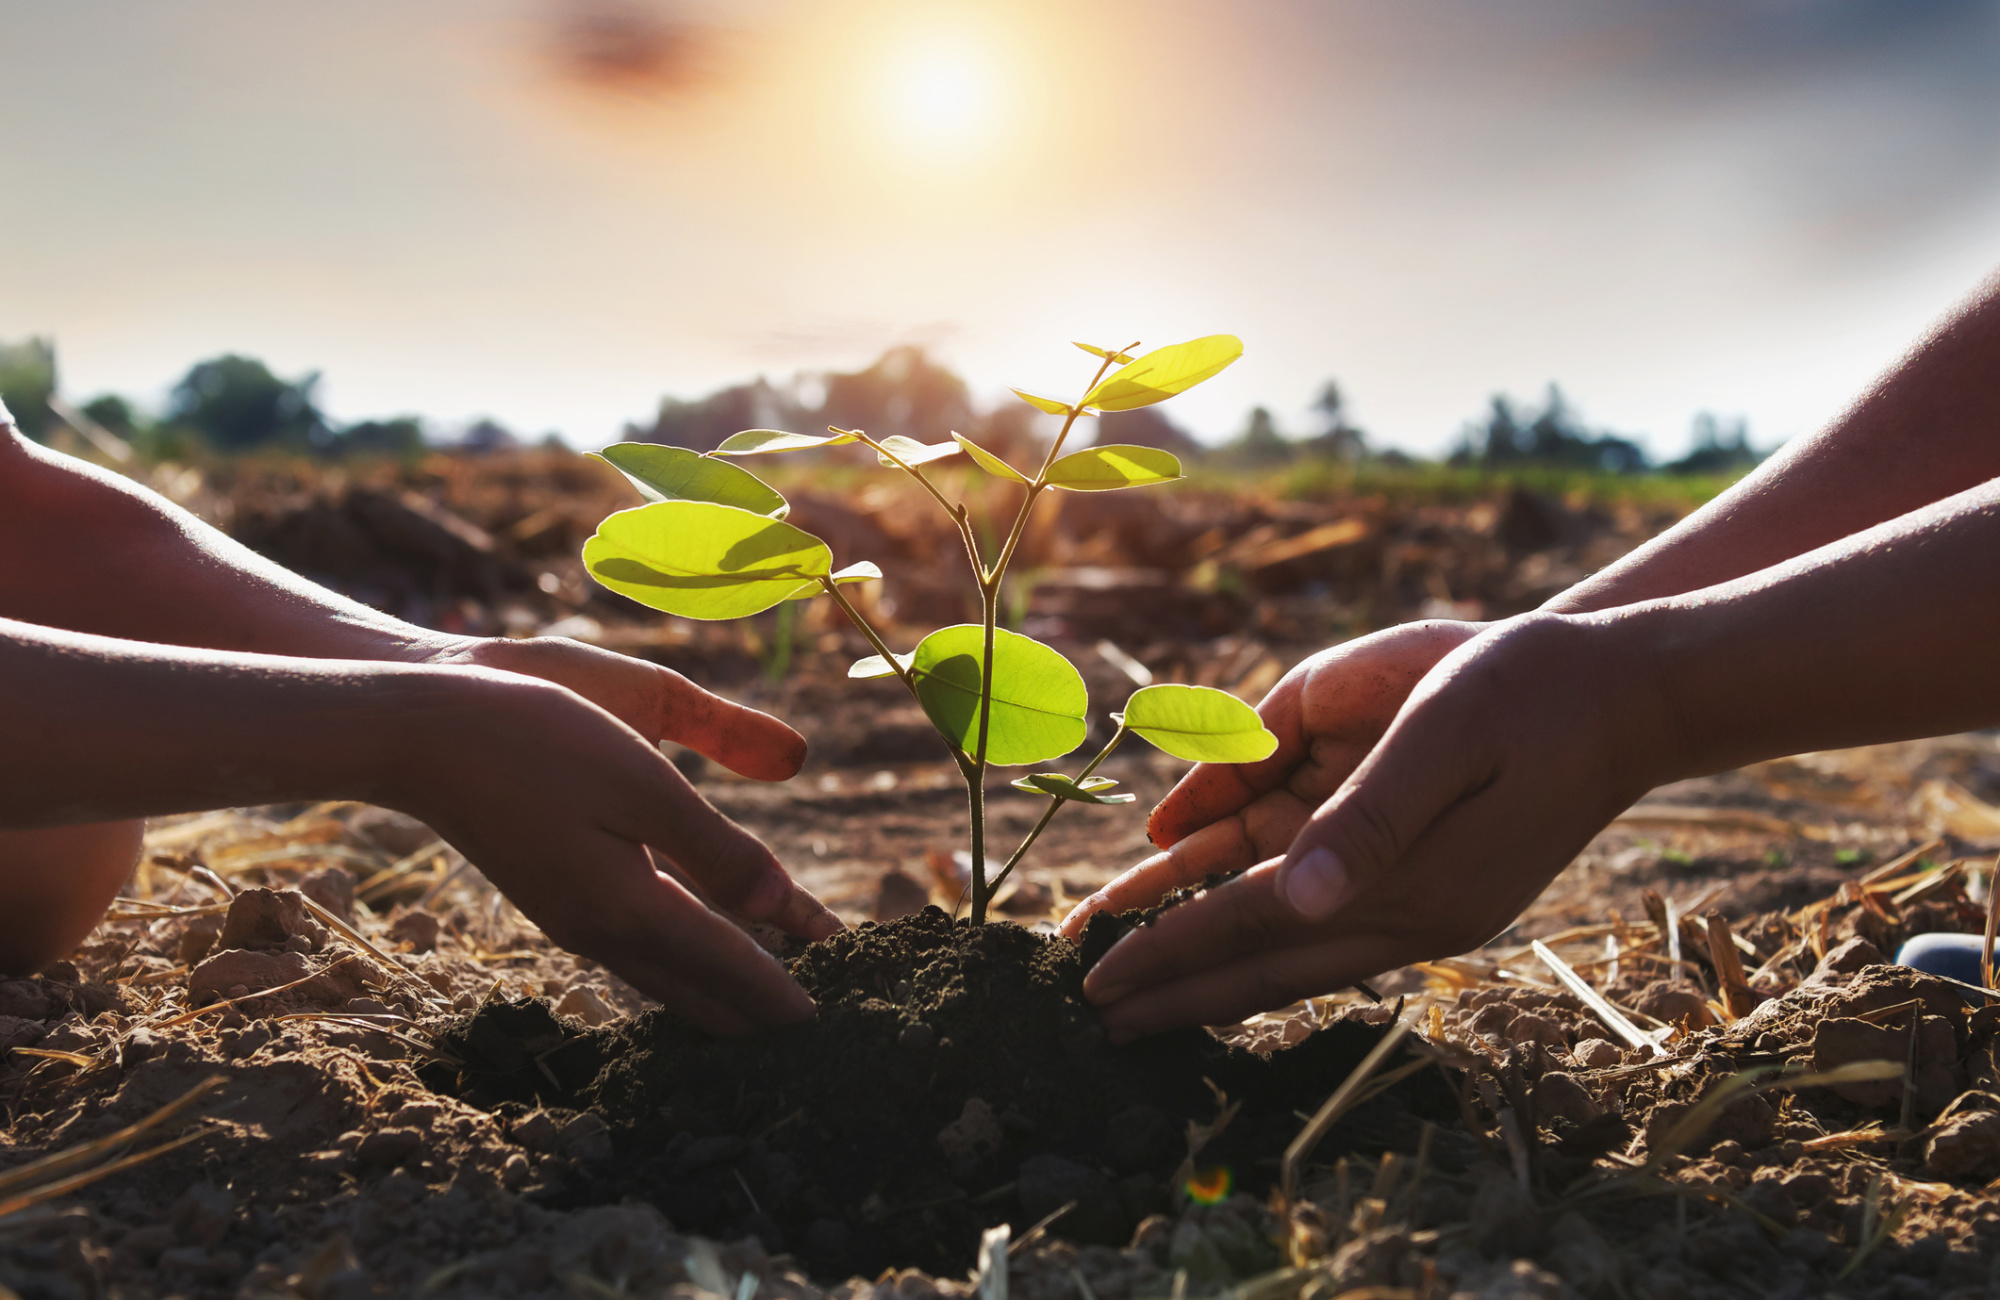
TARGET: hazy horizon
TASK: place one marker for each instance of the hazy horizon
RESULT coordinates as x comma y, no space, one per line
554,214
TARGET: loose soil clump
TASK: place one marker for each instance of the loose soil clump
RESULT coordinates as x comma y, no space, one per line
954,1079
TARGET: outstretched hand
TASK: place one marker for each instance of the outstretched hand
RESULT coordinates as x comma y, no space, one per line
1498,768
1327,713
656,702
558,803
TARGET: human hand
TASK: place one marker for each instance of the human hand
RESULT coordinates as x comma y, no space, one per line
656,702
1327,713
557,802
1505,760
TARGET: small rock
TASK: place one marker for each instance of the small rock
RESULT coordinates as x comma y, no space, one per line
587,1137
239,971
1768,1198
1842,1041
198,939
1671,1003
266,918
916,1036
899,895
514,1172
1846,959
1965,1146
1597,1054
333,889
1531,1028
386,1147
587,1004
418,929
973,1136
536,1131
1560,1096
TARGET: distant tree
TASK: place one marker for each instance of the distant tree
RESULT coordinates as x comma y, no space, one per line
1552,435
484,437
903,392
1719,448
236,403
27,381
114,413
1260,442
402,436
701,425
1337,439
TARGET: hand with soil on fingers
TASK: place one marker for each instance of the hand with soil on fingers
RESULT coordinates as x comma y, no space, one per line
1327,713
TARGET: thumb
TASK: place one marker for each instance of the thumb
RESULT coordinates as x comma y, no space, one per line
744,740
1379,813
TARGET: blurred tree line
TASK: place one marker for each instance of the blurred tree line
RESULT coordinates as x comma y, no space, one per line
232,404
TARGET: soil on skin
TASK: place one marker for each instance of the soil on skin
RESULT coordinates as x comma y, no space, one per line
953,1080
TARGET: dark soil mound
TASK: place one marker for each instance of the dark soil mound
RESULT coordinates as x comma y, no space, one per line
954,1079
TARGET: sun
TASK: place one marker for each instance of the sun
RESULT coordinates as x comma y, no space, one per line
942,95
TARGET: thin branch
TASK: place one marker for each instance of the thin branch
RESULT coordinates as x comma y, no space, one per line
1055,804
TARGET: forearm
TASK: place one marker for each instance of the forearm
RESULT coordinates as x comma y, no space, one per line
1929,429
1885,635
89,551
95,729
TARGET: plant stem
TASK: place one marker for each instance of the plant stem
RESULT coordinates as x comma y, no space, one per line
1055,805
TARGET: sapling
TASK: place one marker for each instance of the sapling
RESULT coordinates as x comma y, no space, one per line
712,543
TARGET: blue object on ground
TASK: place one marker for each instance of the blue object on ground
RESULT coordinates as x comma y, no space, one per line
1955,956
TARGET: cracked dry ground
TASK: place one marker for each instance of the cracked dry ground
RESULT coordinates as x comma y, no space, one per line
1540,1155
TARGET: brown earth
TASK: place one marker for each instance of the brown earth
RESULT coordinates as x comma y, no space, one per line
355,1143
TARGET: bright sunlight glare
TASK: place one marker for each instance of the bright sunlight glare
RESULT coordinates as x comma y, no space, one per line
942,95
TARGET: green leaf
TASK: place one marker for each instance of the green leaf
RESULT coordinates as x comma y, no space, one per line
1099,469
988,461
1163,372
677,474
1062,787
703,560
1049,404
1199,723
912,452
1118,357
877,666
755,442
1038,698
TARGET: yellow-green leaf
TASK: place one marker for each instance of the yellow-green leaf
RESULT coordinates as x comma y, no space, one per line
1199,723
1099,469
1163,372
703,560
755,442
988,461
1049,404
877,666
1119,357
1088,790
912,452
1038,704
663,473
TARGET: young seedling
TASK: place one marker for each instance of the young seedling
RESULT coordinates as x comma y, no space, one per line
712,543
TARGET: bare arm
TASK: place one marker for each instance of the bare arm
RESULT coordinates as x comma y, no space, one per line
1527,740
554,799
88,551
1928,429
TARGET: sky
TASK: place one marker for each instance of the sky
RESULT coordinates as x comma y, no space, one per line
553,212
